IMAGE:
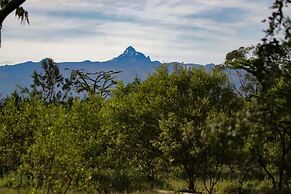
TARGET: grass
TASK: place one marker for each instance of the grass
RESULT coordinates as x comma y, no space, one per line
172,185
13,191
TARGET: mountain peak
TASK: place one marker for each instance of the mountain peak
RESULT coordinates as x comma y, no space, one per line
131,56
130,50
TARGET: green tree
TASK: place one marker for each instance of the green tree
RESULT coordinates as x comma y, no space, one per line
15,133
132,124
164,119
49,84
68,150
270,64
195,95
232,137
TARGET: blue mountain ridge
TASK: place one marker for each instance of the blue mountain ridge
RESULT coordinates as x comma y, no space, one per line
131,63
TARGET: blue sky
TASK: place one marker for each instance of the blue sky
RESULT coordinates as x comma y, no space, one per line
196,31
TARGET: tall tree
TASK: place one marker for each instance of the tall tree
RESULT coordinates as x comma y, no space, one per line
193,96
270,64
50,83
7,7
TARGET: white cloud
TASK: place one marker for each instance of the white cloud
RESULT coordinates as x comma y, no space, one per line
75,30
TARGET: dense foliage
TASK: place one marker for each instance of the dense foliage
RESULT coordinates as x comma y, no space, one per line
186,124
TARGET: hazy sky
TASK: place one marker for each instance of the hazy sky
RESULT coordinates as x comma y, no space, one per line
198,31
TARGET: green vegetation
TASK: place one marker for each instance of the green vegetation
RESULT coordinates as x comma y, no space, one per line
182,130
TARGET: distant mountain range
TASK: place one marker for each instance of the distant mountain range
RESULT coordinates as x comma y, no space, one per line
130,62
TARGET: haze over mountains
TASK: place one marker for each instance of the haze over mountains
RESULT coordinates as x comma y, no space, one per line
131,62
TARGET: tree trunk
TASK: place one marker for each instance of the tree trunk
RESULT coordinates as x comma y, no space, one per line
9,8
0,34
191,185
263,165
191,179
282,165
